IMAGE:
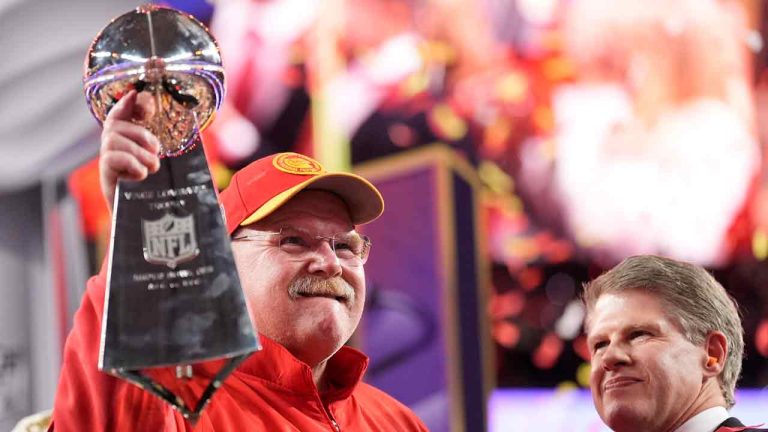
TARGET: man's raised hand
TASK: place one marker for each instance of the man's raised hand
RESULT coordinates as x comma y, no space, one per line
128,150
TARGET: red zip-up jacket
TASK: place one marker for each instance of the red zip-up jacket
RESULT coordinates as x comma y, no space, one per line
269,391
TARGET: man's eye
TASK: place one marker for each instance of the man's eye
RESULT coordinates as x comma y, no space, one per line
598,345
293,241
638,334
345,249
342,245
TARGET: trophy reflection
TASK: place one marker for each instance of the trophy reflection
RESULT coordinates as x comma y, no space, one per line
174,297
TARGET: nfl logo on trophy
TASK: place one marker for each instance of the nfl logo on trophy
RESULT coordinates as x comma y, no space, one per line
170,240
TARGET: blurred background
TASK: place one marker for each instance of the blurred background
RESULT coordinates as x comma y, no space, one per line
523,147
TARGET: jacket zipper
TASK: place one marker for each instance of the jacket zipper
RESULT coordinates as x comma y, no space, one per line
328,413
335,425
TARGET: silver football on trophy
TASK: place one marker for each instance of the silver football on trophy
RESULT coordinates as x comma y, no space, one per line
167,54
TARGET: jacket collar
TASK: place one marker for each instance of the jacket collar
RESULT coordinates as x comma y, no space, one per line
277,366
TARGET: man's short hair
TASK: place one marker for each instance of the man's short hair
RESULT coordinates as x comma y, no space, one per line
695,302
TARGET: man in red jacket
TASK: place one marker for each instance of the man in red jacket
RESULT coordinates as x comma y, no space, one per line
666,344
300,262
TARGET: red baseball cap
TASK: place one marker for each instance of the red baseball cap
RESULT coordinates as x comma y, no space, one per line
266,184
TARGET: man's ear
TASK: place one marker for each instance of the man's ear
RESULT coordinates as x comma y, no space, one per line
716,346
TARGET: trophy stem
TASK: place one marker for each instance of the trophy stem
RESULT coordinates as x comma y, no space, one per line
184,371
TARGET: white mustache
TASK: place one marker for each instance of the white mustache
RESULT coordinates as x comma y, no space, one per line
310,285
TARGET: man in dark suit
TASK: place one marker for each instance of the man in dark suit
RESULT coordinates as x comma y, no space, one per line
666,344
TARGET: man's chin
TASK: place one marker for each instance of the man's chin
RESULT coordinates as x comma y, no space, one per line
324,321
625,417
315,347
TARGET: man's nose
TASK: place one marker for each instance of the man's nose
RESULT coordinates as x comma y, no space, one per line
324,261
615,356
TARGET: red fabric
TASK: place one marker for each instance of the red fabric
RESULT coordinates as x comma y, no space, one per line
241,198
270,391
738,428
84,187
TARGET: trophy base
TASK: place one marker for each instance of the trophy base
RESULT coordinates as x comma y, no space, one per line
190,413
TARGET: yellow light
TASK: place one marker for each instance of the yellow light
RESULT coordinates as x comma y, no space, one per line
760,245
582,374
566,386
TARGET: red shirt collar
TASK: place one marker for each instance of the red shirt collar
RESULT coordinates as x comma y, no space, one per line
277,366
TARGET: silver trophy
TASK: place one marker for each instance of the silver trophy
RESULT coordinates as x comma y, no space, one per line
174,298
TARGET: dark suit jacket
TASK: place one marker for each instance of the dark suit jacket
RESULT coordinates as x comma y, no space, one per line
734,425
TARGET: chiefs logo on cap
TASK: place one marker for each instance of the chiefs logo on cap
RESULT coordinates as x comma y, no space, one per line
294,163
